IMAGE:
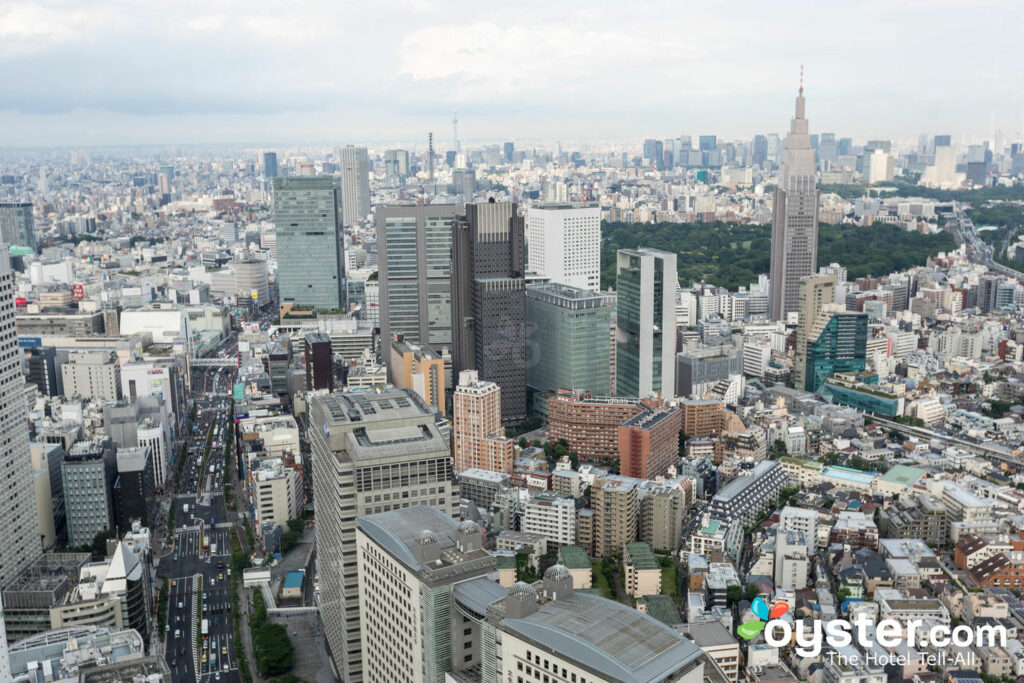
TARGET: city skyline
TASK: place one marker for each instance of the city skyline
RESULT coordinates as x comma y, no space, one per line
233,75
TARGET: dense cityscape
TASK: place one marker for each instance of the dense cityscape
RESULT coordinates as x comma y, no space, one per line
680,410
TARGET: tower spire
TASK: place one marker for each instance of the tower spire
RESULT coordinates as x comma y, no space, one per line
801,79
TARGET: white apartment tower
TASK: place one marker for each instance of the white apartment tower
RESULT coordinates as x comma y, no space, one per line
19,524
794,218
565,244
355,184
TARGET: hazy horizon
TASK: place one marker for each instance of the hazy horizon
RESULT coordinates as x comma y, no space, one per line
225,72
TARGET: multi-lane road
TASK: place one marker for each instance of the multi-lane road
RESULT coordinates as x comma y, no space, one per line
199,643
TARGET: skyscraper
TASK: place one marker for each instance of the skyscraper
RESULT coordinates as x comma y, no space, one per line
489,301
310,265
17,225
794,218
567,338
477,435
19,524
510,152
645,322
565,244
815,292
654,151
355,184
372,453
268,164
414,261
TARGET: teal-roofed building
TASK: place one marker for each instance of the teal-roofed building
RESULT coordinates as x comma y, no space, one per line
858,392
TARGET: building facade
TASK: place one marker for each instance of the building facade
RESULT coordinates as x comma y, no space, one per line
794,218
565,244
645,323
355,184
310,265
478,439
372,452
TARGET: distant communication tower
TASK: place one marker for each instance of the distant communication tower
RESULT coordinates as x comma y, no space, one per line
430,156
455,130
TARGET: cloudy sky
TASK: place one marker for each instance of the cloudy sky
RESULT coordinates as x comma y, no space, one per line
101,72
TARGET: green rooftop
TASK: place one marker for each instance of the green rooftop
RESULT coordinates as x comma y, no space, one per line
662,608
641,556
903,474
596,592
574,557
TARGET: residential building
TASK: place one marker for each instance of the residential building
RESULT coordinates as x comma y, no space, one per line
794,218
567,338
49,491
718,643
702,417
355,184
791,559
478,438
588,423
482,486
372,452
310,264
649,442
489,301
565,244
551,515
751,493
420,553
615,504
420,368
646,285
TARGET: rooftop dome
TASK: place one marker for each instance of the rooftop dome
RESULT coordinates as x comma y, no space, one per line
426,537
468,527
520,590
556,572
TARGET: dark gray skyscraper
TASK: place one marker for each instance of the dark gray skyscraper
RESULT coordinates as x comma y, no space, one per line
794,219
268,164
17,225
414,261
510,152
489,301
310,266
355,184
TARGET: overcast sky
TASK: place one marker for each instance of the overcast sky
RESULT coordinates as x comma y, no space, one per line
101,72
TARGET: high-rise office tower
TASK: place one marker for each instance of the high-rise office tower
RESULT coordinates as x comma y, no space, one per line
654,151
372,453
759,149
814,293
489,301
565,244
414,261
477,435
355,184
401,157
510,152
645,323
268,164
422,554
794,218
19,524
17,225
567,338
87,475
310,265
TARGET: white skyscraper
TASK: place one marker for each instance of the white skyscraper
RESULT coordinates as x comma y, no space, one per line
565,244
19,524
355,184
794,218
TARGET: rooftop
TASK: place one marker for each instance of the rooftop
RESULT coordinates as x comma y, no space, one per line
293,579
574,557
641,556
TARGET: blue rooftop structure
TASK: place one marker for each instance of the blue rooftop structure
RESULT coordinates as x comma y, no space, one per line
293,580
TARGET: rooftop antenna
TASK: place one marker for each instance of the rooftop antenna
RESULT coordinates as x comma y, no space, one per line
801,79
430,155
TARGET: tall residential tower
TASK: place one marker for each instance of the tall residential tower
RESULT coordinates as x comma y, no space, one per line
645,332
794,218
355,184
